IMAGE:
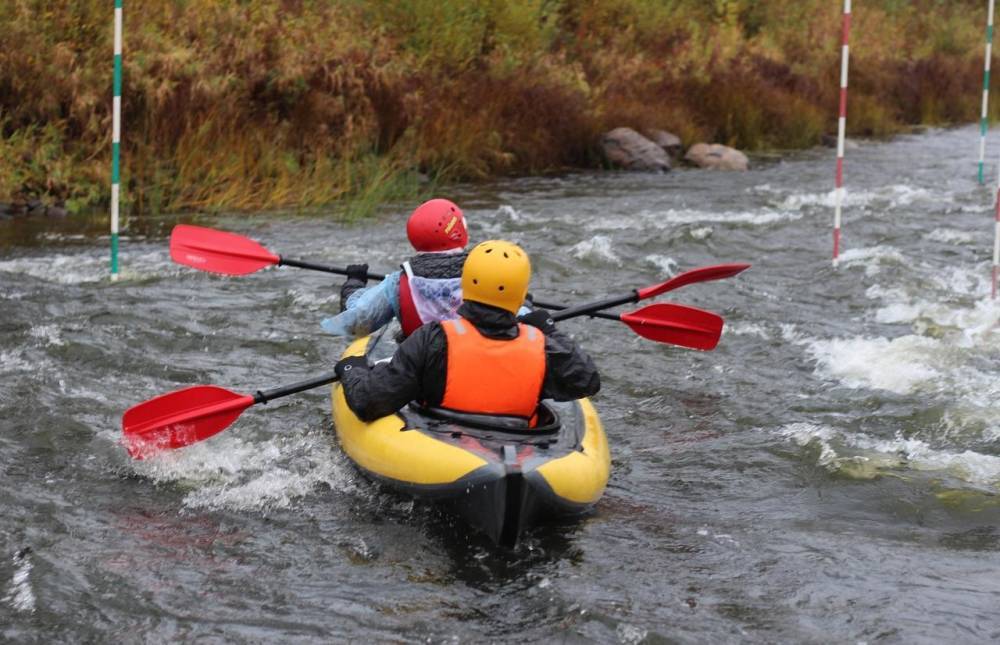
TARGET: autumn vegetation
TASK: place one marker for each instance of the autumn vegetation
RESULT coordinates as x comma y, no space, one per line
250,104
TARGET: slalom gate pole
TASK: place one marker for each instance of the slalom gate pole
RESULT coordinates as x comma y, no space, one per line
983,121
841,128
996,237
116,132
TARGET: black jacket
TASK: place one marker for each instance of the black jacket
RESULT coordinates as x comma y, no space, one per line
418,370
428,265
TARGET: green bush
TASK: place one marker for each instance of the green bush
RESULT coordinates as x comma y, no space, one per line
247,104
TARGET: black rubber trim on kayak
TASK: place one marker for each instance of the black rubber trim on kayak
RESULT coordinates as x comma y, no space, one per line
548,420
512,519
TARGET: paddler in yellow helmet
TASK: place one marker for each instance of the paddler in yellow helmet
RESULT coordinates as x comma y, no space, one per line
487,361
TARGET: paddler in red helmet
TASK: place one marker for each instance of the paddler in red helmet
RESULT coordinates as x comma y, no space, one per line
485,361
426,289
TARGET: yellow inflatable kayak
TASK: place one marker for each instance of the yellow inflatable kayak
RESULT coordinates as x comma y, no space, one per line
501,477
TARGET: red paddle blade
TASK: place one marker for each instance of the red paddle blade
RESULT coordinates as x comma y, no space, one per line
701,274
218,251
677,325
180,418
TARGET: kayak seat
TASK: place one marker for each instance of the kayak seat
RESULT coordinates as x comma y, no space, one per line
548,420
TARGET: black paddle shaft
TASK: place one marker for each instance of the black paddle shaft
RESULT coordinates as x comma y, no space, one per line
301,264
593,307
593,310
594,314
294,388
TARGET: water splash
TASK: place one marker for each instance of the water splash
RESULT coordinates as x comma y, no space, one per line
19,595
230,473
861,456
598,247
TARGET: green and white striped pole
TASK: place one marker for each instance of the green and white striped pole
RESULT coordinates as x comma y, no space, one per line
983,122
116,137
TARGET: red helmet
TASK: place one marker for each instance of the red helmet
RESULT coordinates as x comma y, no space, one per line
437,225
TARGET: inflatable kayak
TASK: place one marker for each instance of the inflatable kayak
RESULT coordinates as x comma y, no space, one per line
501,476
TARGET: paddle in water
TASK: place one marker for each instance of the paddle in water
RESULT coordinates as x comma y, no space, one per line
192,414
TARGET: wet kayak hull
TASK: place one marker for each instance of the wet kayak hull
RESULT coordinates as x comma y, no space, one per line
501,483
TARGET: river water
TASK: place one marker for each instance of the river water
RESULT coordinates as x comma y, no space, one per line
829,473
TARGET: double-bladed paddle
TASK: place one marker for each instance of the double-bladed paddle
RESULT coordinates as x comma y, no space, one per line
216,251
192,414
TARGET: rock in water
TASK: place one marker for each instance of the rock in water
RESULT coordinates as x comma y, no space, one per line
668,141
626,148
717,156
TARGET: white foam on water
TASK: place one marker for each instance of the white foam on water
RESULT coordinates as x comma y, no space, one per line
14,361
901,365
63,237
949,357
950,236
230,473
665,265
887,198
672,217
942,308
790,333
598,247
510,213
962,279
864,456
48,333
314,300
747,329
872,258
630,634
19,595
91,267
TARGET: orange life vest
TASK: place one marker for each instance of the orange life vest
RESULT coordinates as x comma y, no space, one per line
491,376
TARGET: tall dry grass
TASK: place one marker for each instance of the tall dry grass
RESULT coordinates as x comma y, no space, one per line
252,104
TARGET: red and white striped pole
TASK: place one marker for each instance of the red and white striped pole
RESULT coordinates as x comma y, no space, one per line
841,128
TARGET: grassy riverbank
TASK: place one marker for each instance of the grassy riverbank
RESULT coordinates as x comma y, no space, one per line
296,103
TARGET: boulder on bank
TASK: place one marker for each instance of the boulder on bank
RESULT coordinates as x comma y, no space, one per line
626,148
32,208
717,157
668,141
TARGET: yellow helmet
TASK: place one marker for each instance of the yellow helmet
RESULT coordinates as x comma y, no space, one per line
496,273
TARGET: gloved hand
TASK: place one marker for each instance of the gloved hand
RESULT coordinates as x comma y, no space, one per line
357,272
345,365
539,318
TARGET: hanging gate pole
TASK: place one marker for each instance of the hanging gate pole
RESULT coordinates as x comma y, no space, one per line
841,131
983,121
996,237
116,132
